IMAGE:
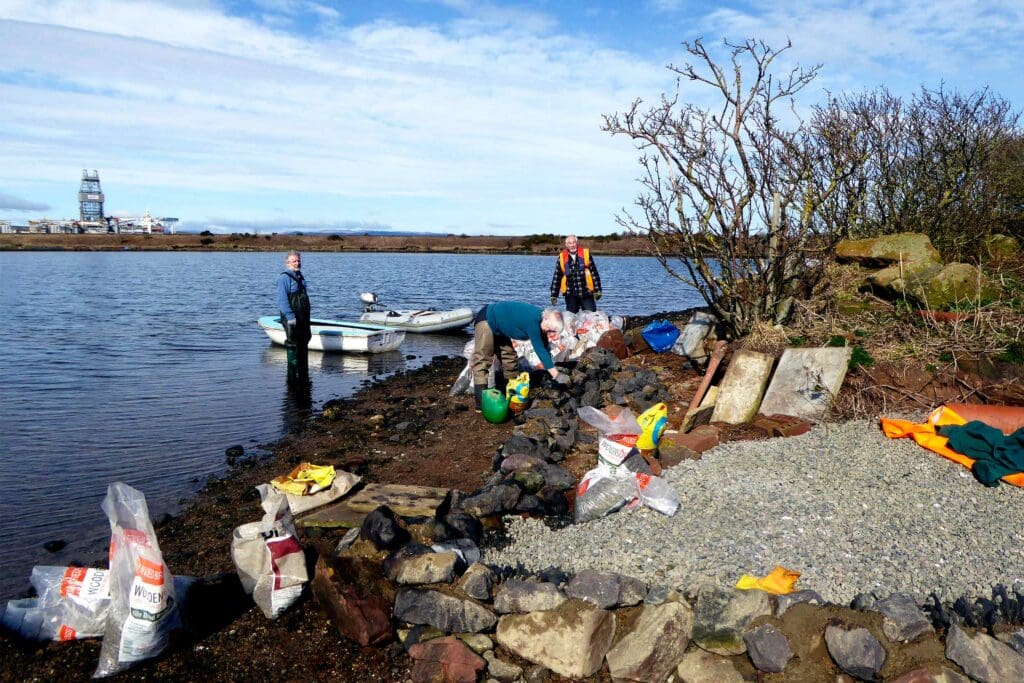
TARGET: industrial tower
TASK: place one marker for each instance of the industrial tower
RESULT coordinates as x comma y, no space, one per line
90,198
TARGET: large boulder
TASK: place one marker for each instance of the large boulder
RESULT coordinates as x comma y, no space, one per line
445,659
878,252
723,614
571,640
955,282
654,645
450,614
984,658
357,614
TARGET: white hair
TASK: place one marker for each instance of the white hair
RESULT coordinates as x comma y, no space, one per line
554,320
290,254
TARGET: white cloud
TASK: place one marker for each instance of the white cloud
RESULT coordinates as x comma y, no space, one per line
491,118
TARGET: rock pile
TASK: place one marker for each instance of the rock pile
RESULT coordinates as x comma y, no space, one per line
460,619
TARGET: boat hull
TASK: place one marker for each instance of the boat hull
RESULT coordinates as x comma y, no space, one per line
339,336
421,321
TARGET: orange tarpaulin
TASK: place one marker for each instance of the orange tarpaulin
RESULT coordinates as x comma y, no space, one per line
925,435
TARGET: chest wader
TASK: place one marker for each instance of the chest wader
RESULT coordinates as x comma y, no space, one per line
297,335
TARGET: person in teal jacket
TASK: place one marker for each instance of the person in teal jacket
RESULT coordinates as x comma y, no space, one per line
293,302
496,325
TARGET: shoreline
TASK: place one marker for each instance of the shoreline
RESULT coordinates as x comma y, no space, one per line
447,244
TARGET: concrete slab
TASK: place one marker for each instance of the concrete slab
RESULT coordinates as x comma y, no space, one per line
404,500
806,381
739,394
691,340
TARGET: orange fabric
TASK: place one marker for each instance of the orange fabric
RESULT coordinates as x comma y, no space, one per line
925,435
563,258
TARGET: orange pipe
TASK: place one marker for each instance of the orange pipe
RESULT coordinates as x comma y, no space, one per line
1008,419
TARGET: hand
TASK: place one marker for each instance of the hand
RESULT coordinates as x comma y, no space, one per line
554,300
597,295
553,372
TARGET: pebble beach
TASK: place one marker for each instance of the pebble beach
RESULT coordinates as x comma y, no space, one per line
850,510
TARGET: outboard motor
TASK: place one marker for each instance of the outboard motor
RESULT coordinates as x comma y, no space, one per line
370,302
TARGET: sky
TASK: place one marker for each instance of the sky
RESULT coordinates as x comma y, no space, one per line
445,116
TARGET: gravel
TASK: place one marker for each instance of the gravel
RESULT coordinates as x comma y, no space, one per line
852,511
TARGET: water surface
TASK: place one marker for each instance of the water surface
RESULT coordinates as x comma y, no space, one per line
144,367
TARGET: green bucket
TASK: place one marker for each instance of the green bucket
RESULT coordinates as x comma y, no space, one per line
494,406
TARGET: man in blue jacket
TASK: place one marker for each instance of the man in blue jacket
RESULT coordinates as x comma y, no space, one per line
293,301
496,325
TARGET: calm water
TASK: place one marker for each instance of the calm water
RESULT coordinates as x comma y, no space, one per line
144,367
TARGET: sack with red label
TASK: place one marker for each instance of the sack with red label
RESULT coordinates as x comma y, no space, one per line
618,432
656,494
143,606
269,558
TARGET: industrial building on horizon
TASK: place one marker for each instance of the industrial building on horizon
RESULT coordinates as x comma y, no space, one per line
91,219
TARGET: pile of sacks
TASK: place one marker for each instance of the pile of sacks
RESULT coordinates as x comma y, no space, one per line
622,478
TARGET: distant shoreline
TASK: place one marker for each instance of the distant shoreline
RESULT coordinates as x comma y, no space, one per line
441,244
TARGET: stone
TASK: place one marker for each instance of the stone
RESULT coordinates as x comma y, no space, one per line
477,581
450,614
614,341
700,666
784,602
903,619
557,477
691,340
768,648
492,500
419,634
722,616
1014,640
428,567
382,528
521,461
855,651
886,250
501,670
654,646
478,642
358,616
658,595
923,675
1001,248
571,640
982,657
632,591
598,588
530,481
519,595
955,283
445,659
739,394
806,382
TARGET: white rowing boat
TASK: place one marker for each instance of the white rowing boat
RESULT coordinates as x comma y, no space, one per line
421,321
337,335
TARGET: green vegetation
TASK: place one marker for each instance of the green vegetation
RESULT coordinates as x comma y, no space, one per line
860,357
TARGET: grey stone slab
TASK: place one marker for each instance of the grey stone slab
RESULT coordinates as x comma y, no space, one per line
739,394
691,340
806,381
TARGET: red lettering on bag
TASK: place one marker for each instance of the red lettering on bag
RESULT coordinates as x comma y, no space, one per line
67,633
150,572
135,536
643,479
71,584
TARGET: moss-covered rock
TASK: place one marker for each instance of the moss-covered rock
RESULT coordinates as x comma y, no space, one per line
905,247
956,283
1001,248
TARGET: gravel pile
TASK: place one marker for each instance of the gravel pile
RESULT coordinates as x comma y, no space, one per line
850,510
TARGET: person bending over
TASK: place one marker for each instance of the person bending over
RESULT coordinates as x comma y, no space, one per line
496,325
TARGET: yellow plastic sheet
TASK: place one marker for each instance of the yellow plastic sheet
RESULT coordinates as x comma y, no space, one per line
925,435
305,479
778,581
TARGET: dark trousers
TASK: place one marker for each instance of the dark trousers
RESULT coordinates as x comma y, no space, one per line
574,303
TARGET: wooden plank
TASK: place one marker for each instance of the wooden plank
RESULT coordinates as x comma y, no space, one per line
405,500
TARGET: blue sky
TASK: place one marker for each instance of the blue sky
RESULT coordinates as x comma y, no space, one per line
445,116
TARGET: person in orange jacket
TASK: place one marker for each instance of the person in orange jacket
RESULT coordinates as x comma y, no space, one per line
576,278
